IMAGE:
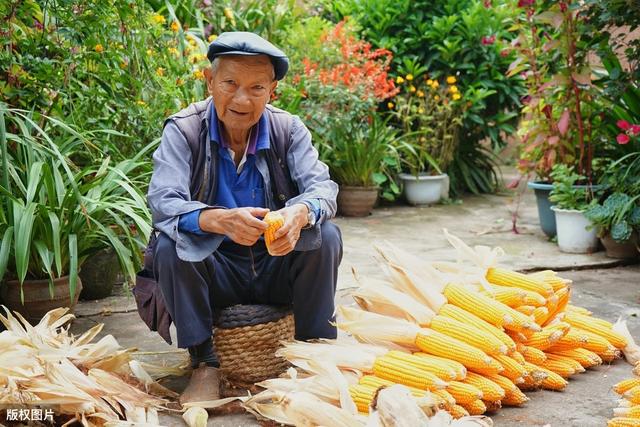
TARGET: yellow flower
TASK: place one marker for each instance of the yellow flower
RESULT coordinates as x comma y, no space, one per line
420,110
149,52
390,105
123,64
179,82
451,80
174,51
412,88
409,77
399,80
198,74
456,96
141,102
212,37
420,94
160,71
430,82
158,19
437,98
453,89
435,84
120,46
98,48
175,27
197,57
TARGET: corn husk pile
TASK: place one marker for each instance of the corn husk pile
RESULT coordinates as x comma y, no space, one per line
44,366
468,337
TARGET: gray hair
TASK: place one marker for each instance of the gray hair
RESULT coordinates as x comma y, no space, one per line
216,62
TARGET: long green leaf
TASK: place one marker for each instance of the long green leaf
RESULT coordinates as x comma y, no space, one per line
73,264
5,250
23,237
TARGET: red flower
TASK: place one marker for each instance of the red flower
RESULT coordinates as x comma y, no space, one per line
526,3
488,40
622,139
487,3
623,124
635,129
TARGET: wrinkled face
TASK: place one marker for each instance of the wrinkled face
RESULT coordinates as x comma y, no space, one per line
241,87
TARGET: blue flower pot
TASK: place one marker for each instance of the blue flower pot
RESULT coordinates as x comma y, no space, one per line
545,214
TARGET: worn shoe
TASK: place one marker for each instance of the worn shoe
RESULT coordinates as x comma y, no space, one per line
204,384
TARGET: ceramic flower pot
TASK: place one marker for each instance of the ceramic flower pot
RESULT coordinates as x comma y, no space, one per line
356,201
621,250
573,235
37,298
423,189
545,214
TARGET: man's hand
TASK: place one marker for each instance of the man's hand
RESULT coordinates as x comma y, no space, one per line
286,237
242,225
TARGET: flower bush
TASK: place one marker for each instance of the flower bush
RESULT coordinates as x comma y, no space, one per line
429,113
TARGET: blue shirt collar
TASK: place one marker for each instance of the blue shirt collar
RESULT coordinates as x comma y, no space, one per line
262,143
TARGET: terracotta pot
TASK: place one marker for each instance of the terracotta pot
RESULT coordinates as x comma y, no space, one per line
99,272
356,201
37,299
624,250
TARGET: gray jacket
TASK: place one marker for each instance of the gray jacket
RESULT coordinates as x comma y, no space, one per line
169,194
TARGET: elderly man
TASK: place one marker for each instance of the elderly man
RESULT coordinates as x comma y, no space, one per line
223,163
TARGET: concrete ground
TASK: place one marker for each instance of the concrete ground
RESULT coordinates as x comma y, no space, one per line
605,286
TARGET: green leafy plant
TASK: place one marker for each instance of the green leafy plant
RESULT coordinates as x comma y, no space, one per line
566,194
364,156
619,215
53,213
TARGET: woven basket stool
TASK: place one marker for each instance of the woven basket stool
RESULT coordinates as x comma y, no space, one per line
246,339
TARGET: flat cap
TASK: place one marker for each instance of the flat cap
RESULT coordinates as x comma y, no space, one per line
245,43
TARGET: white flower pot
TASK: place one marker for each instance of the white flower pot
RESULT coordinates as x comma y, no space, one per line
423,189
573,235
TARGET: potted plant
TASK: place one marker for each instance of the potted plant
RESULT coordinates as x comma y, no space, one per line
430,115
576,233
54,214
359,160
617,220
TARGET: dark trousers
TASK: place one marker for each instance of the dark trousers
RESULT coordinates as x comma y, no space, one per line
194,292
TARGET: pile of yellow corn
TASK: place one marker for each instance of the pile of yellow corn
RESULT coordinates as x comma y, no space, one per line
628,412
471,336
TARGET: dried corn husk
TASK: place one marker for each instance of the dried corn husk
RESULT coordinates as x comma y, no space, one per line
196,417
375,328
632,350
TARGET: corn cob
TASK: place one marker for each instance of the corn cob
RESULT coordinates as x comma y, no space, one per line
532,354
402,373
553,381
610,355
477,407
535,299
623,422
510,296
550,277
527,310
504,277
595,342
632,395
505,383
563,299
577,367
580,310
534,378
463,393
572,340
491,391
457,367
586,358
458,411
464,316
588,324
518,357
377,382
626,385
441,370
488,309
515,398
561,368
438,344
362,396
547,337
632,412
512,369
446,398
493,406
274,221
540,315
469,334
